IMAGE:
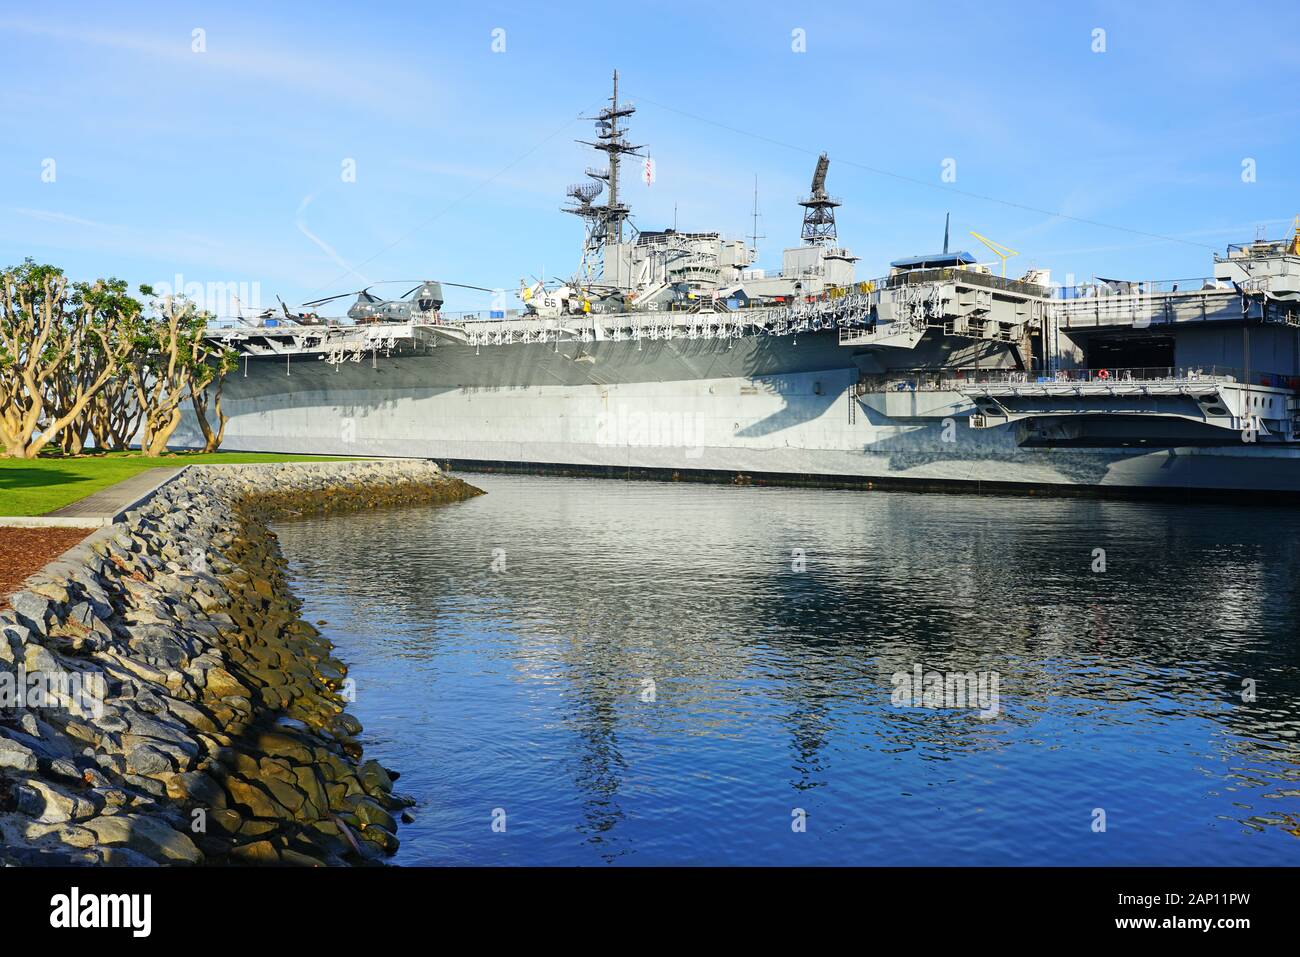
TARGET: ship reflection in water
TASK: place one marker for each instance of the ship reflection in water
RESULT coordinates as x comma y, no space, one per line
642,676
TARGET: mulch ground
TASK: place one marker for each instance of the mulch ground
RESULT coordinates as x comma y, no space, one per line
26,550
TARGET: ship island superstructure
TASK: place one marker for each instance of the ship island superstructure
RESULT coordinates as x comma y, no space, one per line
669,353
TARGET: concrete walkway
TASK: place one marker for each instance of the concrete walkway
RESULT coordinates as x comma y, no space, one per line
103,507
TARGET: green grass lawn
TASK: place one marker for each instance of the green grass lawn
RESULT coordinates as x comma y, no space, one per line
37,486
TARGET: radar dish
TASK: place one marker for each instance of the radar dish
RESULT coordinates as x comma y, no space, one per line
819,177
584,193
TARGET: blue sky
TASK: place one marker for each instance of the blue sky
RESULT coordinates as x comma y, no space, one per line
226,165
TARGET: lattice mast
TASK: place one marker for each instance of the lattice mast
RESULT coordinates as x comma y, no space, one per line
754,237
605,220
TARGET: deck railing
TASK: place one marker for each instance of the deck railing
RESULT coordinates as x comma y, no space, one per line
954,380
1089,291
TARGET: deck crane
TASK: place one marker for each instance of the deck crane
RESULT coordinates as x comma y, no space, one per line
1002,252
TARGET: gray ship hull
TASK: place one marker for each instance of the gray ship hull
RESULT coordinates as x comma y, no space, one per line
770,408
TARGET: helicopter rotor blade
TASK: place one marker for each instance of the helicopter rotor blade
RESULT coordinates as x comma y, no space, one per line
356,292
342,295
442,282
385,282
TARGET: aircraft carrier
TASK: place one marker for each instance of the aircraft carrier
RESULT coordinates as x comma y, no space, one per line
668,354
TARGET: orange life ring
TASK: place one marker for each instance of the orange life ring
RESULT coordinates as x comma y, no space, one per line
1103,374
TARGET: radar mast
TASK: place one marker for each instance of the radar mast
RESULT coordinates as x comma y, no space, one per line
819,208
604,220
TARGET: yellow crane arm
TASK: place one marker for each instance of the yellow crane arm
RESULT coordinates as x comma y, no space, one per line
1002,252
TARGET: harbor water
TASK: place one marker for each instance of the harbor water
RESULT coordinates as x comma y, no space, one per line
584,671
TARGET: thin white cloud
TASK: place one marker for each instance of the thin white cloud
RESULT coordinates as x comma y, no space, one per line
323,75
58,237
50,216
320,243
538,184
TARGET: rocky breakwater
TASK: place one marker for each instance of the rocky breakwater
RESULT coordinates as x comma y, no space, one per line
161,700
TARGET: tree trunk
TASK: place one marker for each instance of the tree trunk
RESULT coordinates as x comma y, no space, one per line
160,433
199,400
74,440
124,422
222,419
211,439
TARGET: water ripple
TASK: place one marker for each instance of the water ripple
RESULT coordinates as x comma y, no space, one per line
666,674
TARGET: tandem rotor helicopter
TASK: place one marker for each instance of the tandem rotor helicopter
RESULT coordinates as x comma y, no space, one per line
422,303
